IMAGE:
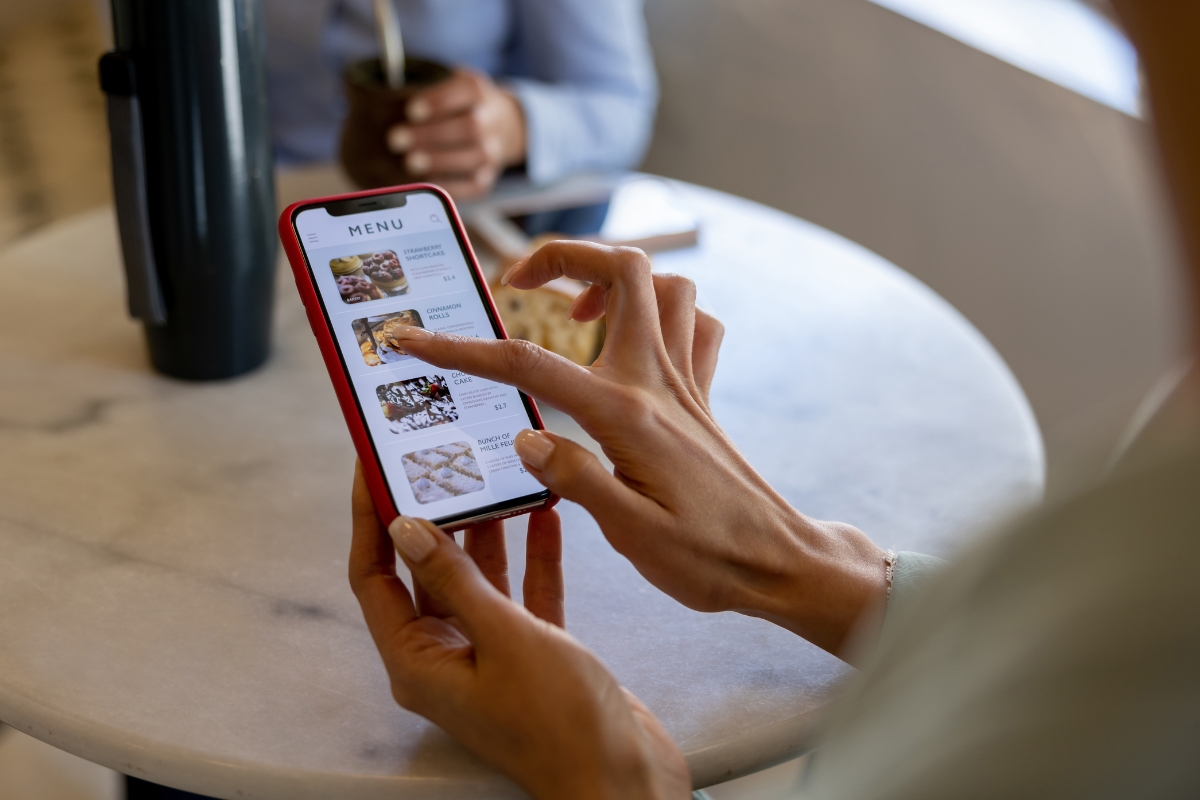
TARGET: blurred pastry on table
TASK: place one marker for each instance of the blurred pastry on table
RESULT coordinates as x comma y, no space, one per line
540,316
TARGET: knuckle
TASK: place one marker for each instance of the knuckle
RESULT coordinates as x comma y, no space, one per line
632,406
632,262
522,356
681,283
491,151
403,695
474,123
441,574
560,247
570,464
707,601
477,82
554,252
358,581
709,327
677,287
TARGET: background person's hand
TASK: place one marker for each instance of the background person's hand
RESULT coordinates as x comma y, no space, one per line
682,505
461,133
507,682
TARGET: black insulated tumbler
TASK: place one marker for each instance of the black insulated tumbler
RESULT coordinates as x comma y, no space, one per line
192,180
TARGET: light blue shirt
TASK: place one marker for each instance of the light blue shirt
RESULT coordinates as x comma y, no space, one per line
581,69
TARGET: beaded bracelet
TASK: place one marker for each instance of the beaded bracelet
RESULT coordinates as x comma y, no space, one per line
889,570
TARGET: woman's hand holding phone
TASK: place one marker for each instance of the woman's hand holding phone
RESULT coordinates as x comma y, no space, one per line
682,504
507,682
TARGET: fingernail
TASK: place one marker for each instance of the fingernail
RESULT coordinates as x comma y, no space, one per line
418,162
534,448
418,110
413,540
411,333
508,273
399,139
574,305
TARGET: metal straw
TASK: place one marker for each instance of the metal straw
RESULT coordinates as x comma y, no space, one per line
391,46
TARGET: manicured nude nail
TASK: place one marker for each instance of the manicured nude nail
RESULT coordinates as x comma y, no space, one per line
574,306
508,273
418,162
413,540
411,333
534,448
418,110
400,138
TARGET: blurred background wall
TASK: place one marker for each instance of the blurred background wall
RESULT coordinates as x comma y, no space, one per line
1037,212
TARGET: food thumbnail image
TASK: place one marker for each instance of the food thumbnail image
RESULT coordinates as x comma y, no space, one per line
416,403
369,276
376,336
440,473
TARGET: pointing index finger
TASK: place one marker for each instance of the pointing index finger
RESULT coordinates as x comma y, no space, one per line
532,369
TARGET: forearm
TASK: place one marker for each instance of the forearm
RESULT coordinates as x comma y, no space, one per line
834,577
829,577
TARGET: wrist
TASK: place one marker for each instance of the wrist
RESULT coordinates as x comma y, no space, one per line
614,784
830,575
629,774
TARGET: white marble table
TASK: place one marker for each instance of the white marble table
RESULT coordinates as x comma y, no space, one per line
173,601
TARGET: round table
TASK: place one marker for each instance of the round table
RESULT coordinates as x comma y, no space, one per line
173,595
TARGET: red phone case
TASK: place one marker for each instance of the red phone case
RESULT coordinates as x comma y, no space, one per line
341,385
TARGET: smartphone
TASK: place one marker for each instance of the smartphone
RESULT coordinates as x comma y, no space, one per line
433,443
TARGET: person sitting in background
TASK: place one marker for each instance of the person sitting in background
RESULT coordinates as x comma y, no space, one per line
558,86
1057,659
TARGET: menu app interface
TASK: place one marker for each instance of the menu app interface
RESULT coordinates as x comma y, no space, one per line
444,438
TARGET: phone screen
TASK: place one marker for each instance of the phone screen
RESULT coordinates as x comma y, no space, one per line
443,438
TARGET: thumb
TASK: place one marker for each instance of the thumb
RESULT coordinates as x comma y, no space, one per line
571,471
448,576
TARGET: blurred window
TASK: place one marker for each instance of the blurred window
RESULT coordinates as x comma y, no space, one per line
1063,41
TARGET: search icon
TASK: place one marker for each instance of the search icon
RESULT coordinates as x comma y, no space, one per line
434,218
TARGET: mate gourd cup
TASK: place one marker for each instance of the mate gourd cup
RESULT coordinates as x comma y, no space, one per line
374,108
